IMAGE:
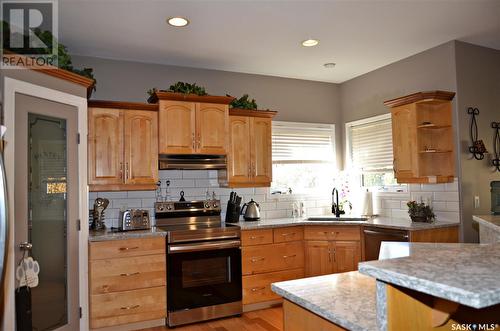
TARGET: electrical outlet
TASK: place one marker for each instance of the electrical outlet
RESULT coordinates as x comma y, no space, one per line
476,202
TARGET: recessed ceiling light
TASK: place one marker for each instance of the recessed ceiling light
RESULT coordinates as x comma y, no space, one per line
178,21
329,65
310,42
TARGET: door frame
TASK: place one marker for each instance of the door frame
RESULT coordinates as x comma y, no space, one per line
11,87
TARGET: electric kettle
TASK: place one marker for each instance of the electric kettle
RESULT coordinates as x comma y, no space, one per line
251,211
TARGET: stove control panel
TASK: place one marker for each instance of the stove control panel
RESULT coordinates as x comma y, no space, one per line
187,206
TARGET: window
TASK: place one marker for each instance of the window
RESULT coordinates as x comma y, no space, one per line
369,151
303,158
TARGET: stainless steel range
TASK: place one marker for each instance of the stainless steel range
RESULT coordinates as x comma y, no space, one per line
203,261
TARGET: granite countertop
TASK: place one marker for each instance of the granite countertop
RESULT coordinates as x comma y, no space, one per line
491,221
381,222
346,299
105,235
463,273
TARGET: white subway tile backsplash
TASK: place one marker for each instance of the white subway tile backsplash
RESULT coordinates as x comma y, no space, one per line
448,216
445,197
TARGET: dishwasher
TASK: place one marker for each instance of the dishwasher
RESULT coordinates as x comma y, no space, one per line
374,236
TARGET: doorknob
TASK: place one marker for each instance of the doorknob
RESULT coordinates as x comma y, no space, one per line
25,246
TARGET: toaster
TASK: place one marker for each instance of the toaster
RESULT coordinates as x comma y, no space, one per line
134,219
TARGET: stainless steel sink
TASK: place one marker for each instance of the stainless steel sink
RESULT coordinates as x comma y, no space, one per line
328,218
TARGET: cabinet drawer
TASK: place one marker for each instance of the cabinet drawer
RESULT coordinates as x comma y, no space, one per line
276,257
123,274
257,288
332,232
292,233
127,307
126,248
256,237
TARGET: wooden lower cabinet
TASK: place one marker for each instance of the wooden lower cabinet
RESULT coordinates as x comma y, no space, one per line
257,288
127,281
127,307
296,318
327,257
274,257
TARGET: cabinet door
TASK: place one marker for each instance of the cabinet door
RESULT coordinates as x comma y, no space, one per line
261,150
346,255
211,128
177,121
318,258
105,146
238,158
404,141
141,147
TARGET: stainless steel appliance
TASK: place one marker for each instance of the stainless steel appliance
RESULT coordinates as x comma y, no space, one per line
252,211
495,197
134,219
187,161
204,261
374,236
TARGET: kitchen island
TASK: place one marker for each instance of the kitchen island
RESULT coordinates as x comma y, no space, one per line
435,286
489,228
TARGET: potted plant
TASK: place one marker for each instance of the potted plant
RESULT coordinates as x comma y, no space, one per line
244,103
420,212
179,87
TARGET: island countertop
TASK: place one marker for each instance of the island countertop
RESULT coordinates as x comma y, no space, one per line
464,273
491,221
380,222
346,299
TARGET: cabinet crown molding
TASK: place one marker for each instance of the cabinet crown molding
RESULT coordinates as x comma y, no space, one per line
420,96
122,105
252,113
223,100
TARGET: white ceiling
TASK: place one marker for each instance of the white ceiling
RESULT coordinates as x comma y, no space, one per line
263,37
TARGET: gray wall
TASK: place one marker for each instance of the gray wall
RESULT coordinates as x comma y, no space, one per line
363,96
295,100
478,85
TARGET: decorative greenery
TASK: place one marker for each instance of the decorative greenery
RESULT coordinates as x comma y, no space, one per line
420,212
244,103
63,56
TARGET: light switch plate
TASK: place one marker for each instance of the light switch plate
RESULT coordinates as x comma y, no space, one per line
476,202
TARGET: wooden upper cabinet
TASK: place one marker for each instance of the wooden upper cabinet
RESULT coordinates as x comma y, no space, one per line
105,146
249,162
404,141
238,165
141,147
177,127
211,128
122,146
422,131
261,149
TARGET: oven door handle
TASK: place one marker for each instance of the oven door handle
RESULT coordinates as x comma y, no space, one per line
206,246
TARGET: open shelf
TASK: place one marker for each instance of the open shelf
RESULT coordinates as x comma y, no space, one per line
433,126
434,152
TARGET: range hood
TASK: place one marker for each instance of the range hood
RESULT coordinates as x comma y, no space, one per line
190,162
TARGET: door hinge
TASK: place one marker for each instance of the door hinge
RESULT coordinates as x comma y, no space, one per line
78,138
78,226
80,309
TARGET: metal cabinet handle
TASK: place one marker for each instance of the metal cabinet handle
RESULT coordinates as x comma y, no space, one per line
257,259
334,255
126,171
193,141
121,170
288,234
287,256
334,233
254,171
255,289
329,255
130,307
129,274
249,170
199,140
128,248
255,237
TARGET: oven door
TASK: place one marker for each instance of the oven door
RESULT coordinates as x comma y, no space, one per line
203,274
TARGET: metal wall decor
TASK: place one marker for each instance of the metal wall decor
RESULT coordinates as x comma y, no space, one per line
477,149
496,145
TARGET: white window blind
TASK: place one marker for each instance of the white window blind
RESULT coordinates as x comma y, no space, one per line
303,143
371,145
